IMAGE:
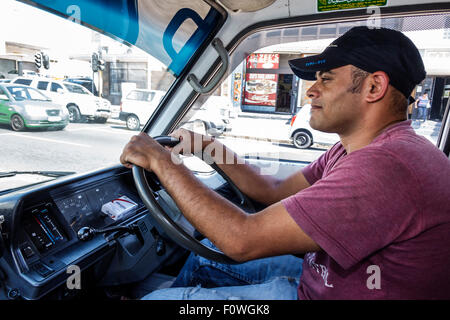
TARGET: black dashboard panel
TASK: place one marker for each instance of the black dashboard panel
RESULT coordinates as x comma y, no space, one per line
43,230
39,235
52,225
41,225
83,208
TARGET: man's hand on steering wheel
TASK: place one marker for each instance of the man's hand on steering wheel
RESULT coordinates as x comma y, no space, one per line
145,152
191,143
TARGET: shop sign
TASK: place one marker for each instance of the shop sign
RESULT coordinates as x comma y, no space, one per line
332,5
237,87
263,61
260,89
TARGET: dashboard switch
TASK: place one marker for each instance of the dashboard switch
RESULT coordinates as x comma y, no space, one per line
160,247
42,269
27,252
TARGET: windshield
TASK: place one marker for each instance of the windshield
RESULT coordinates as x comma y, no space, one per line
140,45
23,93
76,89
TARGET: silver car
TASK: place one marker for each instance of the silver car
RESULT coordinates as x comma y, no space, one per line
24,107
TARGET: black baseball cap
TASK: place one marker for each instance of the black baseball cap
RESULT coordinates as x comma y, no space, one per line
371,50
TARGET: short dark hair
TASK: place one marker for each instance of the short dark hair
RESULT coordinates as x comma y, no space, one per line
358,77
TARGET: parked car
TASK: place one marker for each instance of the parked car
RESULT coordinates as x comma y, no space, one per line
88,83
301,133
138,105
24,107
80,102
213,117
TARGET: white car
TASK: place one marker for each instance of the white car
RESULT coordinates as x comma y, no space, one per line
213,117
79,101
138,105
301,133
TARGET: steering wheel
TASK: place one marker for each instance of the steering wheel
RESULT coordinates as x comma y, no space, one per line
173,230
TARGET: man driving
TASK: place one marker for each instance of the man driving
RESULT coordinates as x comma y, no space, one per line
371,215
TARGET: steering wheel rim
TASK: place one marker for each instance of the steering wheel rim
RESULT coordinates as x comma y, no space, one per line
173,230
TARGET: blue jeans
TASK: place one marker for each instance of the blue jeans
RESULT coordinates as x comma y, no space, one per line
422,113
274,278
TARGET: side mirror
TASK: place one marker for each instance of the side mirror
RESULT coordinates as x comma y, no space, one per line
59,90
4,97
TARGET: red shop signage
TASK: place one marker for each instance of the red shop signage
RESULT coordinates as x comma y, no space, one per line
263,61
260,89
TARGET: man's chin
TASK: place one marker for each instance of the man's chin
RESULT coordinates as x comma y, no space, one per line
321,128
316,126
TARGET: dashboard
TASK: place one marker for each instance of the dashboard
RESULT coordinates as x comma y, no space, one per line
39,239
54,223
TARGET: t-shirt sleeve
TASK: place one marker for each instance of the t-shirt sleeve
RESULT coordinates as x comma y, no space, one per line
368,200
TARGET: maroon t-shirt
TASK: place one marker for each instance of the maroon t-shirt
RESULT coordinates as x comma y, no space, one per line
382,218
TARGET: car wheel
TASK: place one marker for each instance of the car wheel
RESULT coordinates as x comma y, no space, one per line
133,122
302,140
74,113
17,123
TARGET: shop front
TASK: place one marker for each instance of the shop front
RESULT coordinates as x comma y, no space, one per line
438,88
268,84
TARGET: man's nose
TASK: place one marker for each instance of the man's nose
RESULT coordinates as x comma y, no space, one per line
312,92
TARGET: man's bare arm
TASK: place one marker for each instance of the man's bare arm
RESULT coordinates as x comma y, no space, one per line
262,188
239,235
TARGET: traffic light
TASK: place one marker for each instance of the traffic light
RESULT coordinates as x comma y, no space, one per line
45,61
101,64
38,60
94,62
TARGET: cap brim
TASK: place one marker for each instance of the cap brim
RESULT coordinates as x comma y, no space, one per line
306,68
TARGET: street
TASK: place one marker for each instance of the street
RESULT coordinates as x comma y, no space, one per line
79,147
82,147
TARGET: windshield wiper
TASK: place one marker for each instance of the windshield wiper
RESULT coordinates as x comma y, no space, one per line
42,173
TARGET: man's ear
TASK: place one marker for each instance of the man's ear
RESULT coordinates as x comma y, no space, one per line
377,86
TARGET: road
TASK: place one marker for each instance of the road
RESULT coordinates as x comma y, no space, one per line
79,147
83,147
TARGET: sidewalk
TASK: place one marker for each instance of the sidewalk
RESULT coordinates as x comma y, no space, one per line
275,128
429,129
260,127
257,115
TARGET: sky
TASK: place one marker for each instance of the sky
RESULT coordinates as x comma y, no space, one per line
60,37
41,29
